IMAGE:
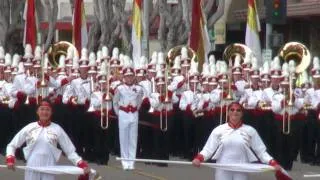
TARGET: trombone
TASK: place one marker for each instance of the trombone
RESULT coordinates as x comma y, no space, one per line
107,99
153,89
43,84
164,127
286,122
28,75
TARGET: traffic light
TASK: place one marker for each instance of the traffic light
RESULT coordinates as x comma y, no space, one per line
276,11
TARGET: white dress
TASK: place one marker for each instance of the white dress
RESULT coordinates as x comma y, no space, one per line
41,149
234,145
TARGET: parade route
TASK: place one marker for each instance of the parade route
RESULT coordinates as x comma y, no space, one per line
151,172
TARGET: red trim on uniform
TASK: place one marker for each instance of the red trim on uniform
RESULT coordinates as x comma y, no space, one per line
297,117
145,102
169,113
44,123
64,82
235,126
205,104
234,87
21,96
200,157
128,109
58,99
32,100
180,84
255,112
10,160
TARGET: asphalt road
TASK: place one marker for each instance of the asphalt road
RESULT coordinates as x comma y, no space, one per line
151,172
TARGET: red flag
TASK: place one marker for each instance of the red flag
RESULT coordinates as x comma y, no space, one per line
30,28
79,33
199,38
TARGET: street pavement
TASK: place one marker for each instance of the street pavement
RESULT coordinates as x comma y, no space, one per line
151,172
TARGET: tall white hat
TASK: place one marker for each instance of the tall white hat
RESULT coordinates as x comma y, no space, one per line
7,63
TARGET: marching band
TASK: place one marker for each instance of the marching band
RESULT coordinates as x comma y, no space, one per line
165,106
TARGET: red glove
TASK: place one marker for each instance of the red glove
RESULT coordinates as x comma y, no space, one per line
280,174
161,98
87,103
64,82
10,160
21,96
234,87
206,104
199,157
82,164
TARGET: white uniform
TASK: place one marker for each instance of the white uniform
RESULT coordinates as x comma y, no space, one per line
189,98
5,92
126,103
251,98
22,83
41,149
229,145
79,88
312,97
278,109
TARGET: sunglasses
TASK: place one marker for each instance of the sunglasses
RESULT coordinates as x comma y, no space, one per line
237,110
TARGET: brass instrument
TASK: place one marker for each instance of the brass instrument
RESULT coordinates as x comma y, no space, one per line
176,51
27,76
153,89
58,49
5,99
92,89
297,52
301,56
235,49
107,99
166,101
229,56
43,84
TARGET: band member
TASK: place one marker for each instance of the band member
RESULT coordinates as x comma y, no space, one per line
42,138
220,93
252,96
162,113
265,105
188,104
179,84
312,131
239,83
286,106
235,142
8,126
126,103
204,109
78,99
99,110
145,131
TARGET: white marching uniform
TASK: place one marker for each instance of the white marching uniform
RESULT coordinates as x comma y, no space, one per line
229,145
251,98
312,97
5,92
126,103
41,149
22,83
79,88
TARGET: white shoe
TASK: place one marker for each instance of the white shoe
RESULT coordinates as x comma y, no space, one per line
131,167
